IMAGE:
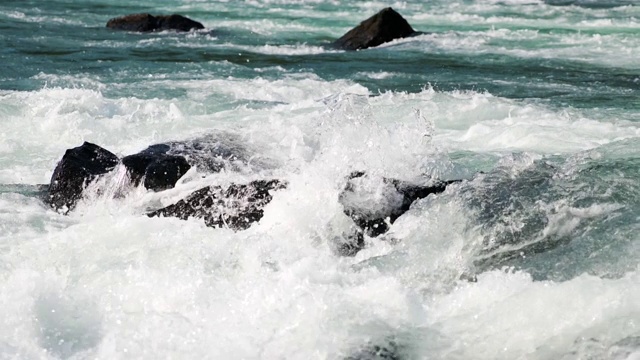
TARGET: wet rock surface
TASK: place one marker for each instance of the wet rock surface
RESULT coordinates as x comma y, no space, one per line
374,202
148,23
157,167
237,206
385,26
78,167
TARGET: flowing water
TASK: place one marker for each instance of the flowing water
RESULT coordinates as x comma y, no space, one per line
535,255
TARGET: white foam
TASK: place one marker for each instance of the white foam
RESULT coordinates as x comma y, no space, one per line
546,316
365,129
18,15
112,283
300,49
380,75
267,27
579,47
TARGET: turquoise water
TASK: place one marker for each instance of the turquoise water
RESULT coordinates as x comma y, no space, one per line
536,104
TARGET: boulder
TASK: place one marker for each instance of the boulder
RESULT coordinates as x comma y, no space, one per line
148,23
77,168
178,23
385,26
158,169
373,202
160,166
508,206
236,206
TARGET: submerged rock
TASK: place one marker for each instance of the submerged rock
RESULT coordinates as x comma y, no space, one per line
591,4
374,203
509,208
386,350
236,207
148,23
78,167
375,353
385,26
160,166
350,243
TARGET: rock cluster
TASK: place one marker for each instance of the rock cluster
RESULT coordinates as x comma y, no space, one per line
236,206
385,26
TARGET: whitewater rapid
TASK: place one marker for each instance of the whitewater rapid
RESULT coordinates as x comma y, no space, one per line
534,255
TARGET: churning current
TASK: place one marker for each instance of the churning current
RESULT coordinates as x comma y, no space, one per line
529,111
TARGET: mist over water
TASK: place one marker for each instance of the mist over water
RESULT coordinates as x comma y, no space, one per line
534,255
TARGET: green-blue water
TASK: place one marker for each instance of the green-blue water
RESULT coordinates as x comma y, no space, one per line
536,103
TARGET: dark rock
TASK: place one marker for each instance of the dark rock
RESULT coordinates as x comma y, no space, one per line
159,170
162,165
374,203
135,22
78,167
164,173
148,23
177,22
385,26
235,207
